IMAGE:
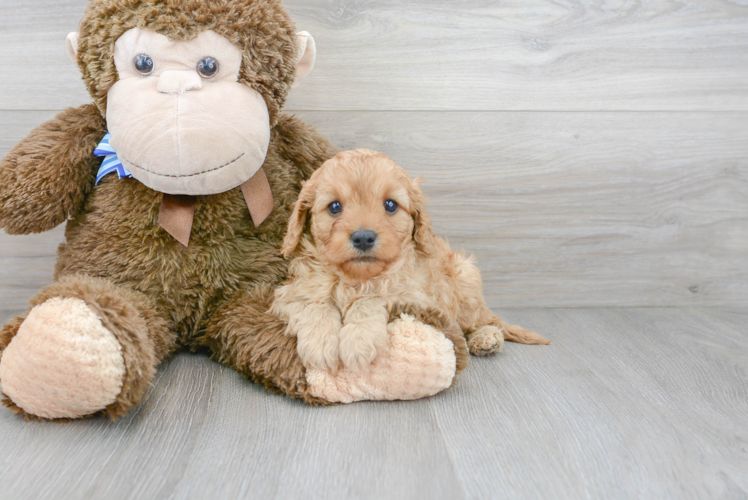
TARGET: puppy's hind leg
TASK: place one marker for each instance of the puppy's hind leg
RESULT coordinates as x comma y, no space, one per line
485,332
485,340
490,338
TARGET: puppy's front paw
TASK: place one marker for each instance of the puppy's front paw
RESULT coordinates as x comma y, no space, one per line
360,344
317,343
418,361
486,340
319,354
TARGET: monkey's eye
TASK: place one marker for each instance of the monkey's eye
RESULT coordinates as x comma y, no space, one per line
144,64
390,206
335,208
207,67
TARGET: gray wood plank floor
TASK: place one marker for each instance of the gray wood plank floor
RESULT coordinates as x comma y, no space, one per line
626,403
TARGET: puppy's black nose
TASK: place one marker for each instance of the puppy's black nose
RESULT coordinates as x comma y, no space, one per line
364,240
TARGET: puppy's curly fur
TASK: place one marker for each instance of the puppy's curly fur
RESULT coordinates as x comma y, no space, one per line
340,296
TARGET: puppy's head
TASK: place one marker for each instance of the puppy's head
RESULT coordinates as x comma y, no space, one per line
363,213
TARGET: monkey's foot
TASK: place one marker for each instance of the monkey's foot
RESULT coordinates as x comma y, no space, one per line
62,362
418,362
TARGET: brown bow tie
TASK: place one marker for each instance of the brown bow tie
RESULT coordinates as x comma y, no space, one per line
178,211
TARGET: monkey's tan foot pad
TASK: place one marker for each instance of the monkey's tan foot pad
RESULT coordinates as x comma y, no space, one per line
486,340
62,363
419,362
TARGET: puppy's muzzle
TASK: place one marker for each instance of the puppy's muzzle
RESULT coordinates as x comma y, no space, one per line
363,240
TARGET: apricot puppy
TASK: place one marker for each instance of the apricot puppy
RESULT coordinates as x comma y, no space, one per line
362,245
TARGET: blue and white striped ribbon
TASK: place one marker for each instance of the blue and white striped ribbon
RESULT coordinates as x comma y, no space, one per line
111,161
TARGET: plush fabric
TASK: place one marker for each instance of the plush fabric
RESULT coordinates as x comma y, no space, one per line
48,175
62,333
260,29
307,56
123,276
176,132
143,333
170,55
198,297
422,357
247,338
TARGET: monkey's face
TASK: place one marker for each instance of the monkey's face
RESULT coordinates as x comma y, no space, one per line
179,119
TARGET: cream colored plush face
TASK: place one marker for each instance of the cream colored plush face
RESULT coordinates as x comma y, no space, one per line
178,132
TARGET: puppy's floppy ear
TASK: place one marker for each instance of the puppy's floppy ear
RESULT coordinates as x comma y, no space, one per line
423,235
297,221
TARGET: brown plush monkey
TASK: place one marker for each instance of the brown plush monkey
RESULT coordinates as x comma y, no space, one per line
180,248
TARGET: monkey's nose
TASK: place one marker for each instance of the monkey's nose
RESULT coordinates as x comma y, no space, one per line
179,82
364,240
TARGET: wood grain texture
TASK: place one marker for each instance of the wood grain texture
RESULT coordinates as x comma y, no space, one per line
446,55
561,209
626,403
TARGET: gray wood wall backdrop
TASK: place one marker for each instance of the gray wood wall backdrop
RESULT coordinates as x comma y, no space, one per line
590,153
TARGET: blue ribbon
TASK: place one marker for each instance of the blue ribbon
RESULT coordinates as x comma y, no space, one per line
111,161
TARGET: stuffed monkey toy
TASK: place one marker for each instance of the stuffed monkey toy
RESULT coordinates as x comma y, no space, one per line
176,185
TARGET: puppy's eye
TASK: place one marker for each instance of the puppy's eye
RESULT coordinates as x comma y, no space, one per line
335,208
390,206
143,64
207,67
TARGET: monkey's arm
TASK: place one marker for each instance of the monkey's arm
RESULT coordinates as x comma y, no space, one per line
46,177
301,145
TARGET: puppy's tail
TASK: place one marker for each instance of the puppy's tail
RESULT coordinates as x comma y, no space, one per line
521,335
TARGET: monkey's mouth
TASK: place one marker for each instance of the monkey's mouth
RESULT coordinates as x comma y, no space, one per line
186,175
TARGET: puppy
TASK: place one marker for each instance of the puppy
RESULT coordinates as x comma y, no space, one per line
362,245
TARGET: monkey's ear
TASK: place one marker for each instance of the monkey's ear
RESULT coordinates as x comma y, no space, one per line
72,46
307,56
